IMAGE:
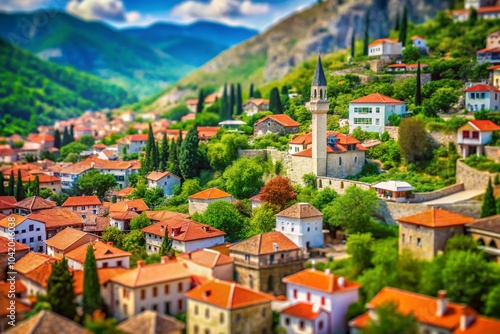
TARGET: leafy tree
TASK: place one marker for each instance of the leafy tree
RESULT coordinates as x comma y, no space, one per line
404,26
223,153
262,221
164,153
432,276
133,240
98,324
391,321
224,216
57,138
72,132
360,248
309,180
87,140
418,93
410,54
257,94
201,98
72,147
139,222
366,41
278,191
243,178
411,131
2,185
114,235
189,158
361,205
492,302
489,204
10,188
92,299
19,187
95,183
275,104
472,16
409,271
60,293
323,198
460,242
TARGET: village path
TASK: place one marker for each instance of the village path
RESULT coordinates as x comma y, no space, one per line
457,197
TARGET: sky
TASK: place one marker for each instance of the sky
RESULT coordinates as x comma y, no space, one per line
258,14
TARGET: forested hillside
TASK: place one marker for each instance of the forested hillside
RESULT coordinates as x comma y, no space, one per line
34,91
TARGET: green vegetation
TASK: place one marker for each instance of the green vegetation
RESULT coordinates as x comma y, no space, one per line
95,183
482,163
60,293
92,299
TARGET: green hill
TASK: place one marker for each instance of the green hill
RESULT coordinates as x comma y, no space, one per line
35,92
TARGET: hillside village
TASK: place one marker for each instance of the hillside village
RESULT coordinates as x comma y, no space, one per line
357,194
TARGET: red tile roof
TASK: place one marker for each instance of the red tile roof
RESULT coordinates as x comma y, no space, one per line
7,202
138,204
18,287
415,37
300,210
42,178
192,102
211,193
21,308
494,67
484,125
436,217
58,218
482,88
207,131
377,98
257,101
138,138
319,280
382,41
125,216
82,201
66,238
35,203
282,119
17,219
163,215
265,244
227,295
155,176
4,246
32,261
5,152
157,273
124,192
38,138
183,230
102,251
481,325
303,310
207,258
488,9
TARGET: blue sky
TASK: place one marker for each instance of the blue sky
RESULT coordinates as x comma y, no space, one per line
257,14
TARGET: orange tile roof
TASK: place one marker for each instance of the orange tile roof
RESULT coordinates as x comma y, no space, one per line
300,210
138,137
488,9
257,101
382,41
360,321
484,125
66,238
192,102
75,169
5,287
102,251
99,146
7,202
125,216
57,218
42,178
211,193
185,230
415,37
211,98
494,67
207,258
21,308
4,246
82,201
303,310
376,98
32,261
124,192
35,203
207,131
436,217
138,204
156,273
5,151
282,119
17,220
396,65
265,244
163,215
111,164
106,274
319,280
155,176
188,117
480,325
306,139
482,88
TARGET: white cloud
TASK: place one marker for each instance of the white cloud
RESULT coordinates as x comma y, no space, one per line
15,5
218,9
112,10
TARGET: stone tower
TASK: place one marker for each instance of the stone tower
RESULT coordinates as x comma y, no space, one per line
318,106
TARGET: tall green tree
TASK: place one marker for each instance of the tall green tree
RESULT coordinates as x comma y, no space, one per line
366,40
151,158
36,186
92,299
189,158
10,188
201,99
173,161
224,105
472,16
2,185
250,93
66,138
353,44
275,101
72,132
232,99
257,94
166,244
164,153
60,293
489,205
418,93
19,186
57,138
239,100
397,22
404,27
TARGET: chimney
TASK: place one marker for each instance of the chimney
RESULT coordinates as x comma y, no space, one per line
313,264
110,243
189,255
276,246
164,259
442,300
207,293
162,227
341,282
328,271
140,264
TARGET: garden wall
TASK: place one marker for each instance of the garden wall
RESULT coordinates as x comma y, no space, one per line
472,178
492,153
424,197
442,138
339,185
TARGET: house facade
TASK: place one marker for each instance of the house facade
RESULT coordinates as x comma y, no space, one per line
475,135
57,219
420,43
486,232
164,180
69,175
132,143
302,223
209,263
88,207
49,182
105,254
385,48
27,231
482,97
255,105
495,76
68,240
371,113
277,124
200,201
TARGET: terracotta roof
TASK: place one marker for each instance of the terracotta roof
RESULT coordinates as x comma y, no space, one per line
99,146
18,287
306,139
98,225
227,295
138,204
320,280
106,274
303,310
185,230
163,215
255,198
207,258
415,37
484,125
192,102
382,41
436,217
5,151
124,192
396,65
138,137
156,273
188,117
257,101
211,98
46,322
57,218
377,98
82,201
300,210
283,119
482,88
155,176
265,244
4,246
151,322
42,178
32,261
101,164
494,67
66,238
211,193
75,169
488,9
491,224
17,220
7,202
360,321
35,203
207,131
102,251
21,308
481,325
125,216
82,128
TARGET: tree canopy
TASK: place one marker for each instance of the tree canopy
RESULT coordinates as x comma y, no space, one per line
278,191
224,216
95,183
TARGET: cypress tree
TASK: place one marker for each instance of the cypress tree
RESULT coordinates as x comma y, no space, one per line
232,100
92,299
367,35
250,95
36,186
404,27
396,23
19,187
489,204
239,100
257,94
418,93
275,101
66,137
201,98
284,90
164,153
166,245
224,105
2,185
473,16
189,156
10,189
156,156
29,189
173,160
353,44
60,293
57,139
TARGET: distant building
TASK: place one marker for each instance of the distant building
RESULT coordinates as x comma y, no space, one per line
132,143
57,219
33,204
277,124
397,191
474,135
482,97
486,232
495,76
200,201
105,254
49,182
165,180
385,48
486,13
420,43
255,105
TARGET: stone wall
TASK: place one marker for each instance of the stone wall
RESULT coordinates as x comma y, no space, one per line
252,154
424,197
472,178
272,126
441,138
339,185
393,131
492,152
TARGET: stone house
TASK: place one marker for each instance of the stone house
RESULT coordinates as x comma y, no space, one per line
385,48
68,240
255,105
482,97
278,124
302,223
475,135
165,180
426,233
209,263
28,231
226,307
486,231
88,207
200,201
262,261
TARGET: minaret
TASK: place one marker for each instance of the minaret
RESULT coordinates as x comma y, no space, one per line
318,106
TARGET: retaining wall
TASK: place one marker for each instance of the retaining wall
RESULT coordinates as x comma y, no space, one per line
472,178
424,197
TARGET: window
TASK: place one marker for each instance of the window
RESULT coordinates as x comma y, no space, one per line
207,331
31,227
287,321
264,312
119,263
268,124
293,229
295,293
365,121
94,212
377,110
125,309
207,313
125,293
475,135
179,305
308,229
403,238
238,318
40,249
308,296
363,110
302,325
38,229
483,95
466,134
340,161
282,228
167,307
39,238
410,240
104,264
221,317
155,291
179,287
155,307
196,329
419,243
32,239
83,208
143,309
143,294
23,231
247,257
377,121
24,241
84,216
320,325
323,301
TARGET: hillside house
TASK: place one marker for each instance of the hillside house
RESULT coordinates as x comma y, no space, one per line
482,97
486,231
70,174
473,136
371,113
255,105
28,231
302,223
425,233
44,322
82,130
420,43
491,53
57,219
276,124
397,191
165,180
68,240
132,143
33,204
205,133
49,182
121,220
484,12
191,105
7,155
122,194
121,170
494,76
105,254
403,68
200,201
226,307
88,207
385,48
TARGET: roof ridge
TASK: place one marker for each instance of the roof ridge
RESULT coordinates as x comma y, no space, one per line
259,243
231,295
43,313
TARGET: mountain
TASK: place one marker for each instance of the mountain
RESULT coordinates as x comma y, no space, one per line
95,48
35,91
324,27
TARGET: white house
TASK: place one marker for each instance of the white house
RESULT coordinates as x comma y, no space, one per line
105,254
420,43
397,191
25,230
371,113
7,155
255,105
482,97
164,180
303,224
316,290
132,144
67,240
385,48
474,135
